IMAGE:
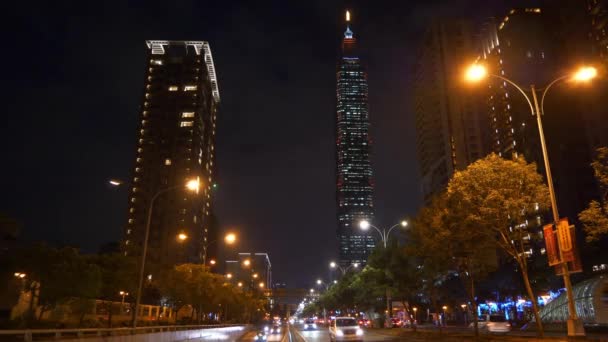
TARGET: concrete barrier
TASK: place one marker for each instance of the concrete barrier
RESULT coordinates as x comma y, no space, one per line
173,333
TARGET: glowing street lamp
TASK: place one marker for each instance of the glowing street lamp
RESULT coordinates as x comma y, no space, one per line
261,285
240,284
255,276
246,262
384,234
182,237
230,238
212,262
191,185
229,275
476,73
334,265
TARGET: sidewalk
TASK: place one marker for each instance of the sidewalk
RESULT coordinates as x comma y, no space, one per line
426,335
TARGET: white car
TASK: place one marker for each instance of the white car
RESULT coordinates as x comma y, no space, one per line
496,324
345,329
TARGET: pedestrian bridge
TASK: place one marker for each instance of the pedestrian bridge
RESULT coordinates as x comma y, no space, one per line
590,300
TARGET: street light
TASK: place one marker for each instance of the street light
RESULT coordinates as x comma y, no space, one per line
191,185
255,276
229,275
415,310
212,262
445,308
384,234
261,285
334,265
246,262
583,74
464,311
229,239
182,237
240,284
115,182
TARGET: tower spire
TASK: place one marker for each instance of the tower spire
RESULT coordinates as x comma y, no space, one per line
348,33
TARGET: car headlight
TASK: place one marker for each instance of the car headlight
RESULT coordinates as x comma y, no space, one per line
339,332
314,326
265,328
305,326
359,332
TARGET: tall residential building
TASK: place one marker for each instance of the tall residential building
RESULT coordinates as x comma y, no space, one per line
598,16
175,143
355,185
451,124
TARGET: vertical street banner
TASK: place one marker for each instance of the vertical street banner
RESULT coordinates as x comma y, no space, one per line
571,256
551,245
565,240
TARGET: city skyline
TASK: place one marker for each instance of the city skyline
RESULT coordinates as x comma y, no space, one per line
271,135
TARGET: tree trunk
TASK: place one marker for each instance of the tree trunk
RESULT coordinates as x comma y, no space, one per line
474,303
110,315
539,325
436,306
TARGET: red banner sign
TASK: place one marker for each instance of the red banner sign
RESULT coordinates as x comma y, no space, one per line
551,245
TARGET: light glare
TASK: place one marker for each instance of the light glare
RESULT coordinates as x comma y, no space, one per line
585,74
476,73
364,225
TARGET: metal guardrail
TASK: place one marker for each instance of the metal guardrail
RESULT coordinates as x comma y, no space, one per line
29,335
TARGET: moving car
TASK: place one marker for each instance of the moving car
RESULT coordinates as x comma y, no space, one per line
261,336
275,329
395,323
309,324
345,329
364,322
497,324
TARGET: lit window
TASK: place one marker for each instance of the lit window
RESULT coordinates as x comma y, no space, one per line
157,62
187,114
132,199
127,242
130,221
190,88
167,161
173,88
132,210
137,169
136,179
185,124
140,150
128,231
141,141
134,189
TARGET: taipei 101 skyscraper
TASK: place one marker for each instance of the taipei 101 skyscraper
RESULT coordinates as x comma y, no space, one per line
354,183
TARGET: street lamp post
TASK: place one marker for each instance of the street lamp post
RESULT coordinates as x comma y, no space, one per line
384,234
192,185
464,312
445,320
478,72
334,265
229,239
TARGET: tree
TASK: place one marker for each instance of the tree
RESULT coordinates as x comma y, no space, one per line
595,217
116,275
494,198
57,276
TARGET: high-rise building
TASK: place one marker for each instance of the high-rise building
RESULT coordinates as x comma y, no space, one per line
598,15
175,143
451,123
355,185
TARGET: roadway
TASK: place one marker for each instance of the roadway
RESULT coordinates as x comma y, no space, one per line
297,334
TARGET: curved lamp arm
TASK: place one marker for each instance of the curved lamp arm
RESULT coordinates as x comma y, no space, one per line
518,88
542,98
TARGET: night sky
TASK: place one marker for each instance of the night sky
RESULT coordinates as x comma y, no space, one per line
73,77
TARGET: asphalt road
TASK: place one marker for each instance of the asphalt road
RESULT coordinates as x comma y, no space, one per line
322,335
